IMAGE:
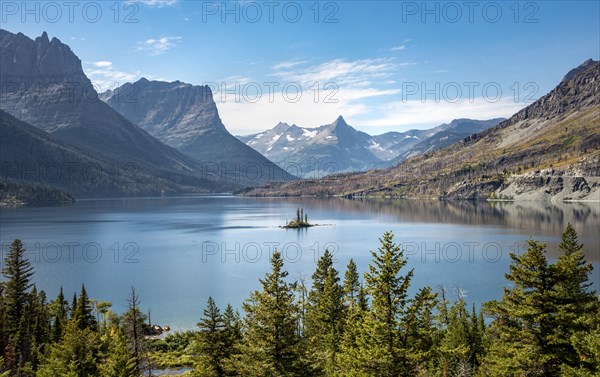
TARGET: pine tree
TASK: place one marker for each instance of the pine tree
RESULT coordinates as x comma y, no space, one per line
18,272
351,285
270,342
59,313
380,350
523,319
318,277
76,355
326,318
73,308
211,342
576,302
84,313
455,345
119,361
232,328
39,325
419,330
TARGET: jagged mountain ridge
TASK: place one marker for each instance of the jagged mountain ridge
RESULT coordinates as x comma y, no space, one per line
306,149
331,148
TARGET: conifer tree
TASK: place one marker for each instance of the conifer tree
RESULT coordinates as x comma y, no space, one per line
576,302
351,285
17,272
270,343
118,362
73,308
455,344
419,331
380,349
326,318
59,312
211,342
84,313
523,319
232,336
133,323
76,355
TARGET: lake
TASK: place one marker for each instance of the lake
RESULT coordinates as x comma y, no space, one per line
178,251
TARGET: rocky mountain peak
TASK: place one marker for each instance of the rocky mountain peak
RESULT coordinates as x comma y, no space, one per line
43,39
340,122
40,61
575,71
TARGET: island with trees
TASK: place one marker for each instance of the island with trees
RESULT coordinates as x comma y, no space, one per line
301,221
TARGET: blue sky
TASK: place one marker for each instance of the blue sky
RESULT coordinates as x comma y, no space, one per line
383,65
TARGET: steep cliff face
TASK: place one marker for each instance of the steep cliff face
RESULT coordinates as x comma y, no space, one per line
560,132
174,112
44,85
185,117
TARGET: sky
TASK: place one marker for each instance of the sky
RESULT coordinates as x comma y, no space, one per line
383,65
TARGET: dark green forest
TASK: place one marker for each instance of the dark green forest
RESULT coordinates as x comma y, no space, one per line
547,323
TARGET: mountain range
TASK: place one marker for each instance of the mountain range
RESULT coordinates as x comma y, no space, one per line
45,87
338,147
153,137
549,150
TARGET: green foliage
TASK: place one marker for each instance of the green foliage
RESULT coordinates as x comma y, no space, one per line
16,305
217,336
84,312
539,319
118,362
325,317
380,349
270,345
76,355
546,324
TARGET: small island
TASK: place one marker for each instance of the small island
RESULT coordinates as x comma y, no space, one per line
301,221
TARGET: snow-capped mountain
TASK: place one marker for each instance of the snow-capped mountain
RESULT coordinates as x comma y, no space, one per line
338,147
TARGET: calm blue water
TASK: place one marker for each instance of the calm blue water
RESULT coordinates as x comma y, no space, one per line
179,251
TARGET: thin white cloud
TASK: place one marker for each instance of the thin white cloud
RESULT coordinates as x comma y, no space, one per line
398,48
340,71
102,64
423,114
328,89
105,76
288,64
158,46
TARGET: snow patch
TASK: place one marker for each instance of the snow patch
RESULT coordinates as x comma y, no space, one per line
289,138
309,134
